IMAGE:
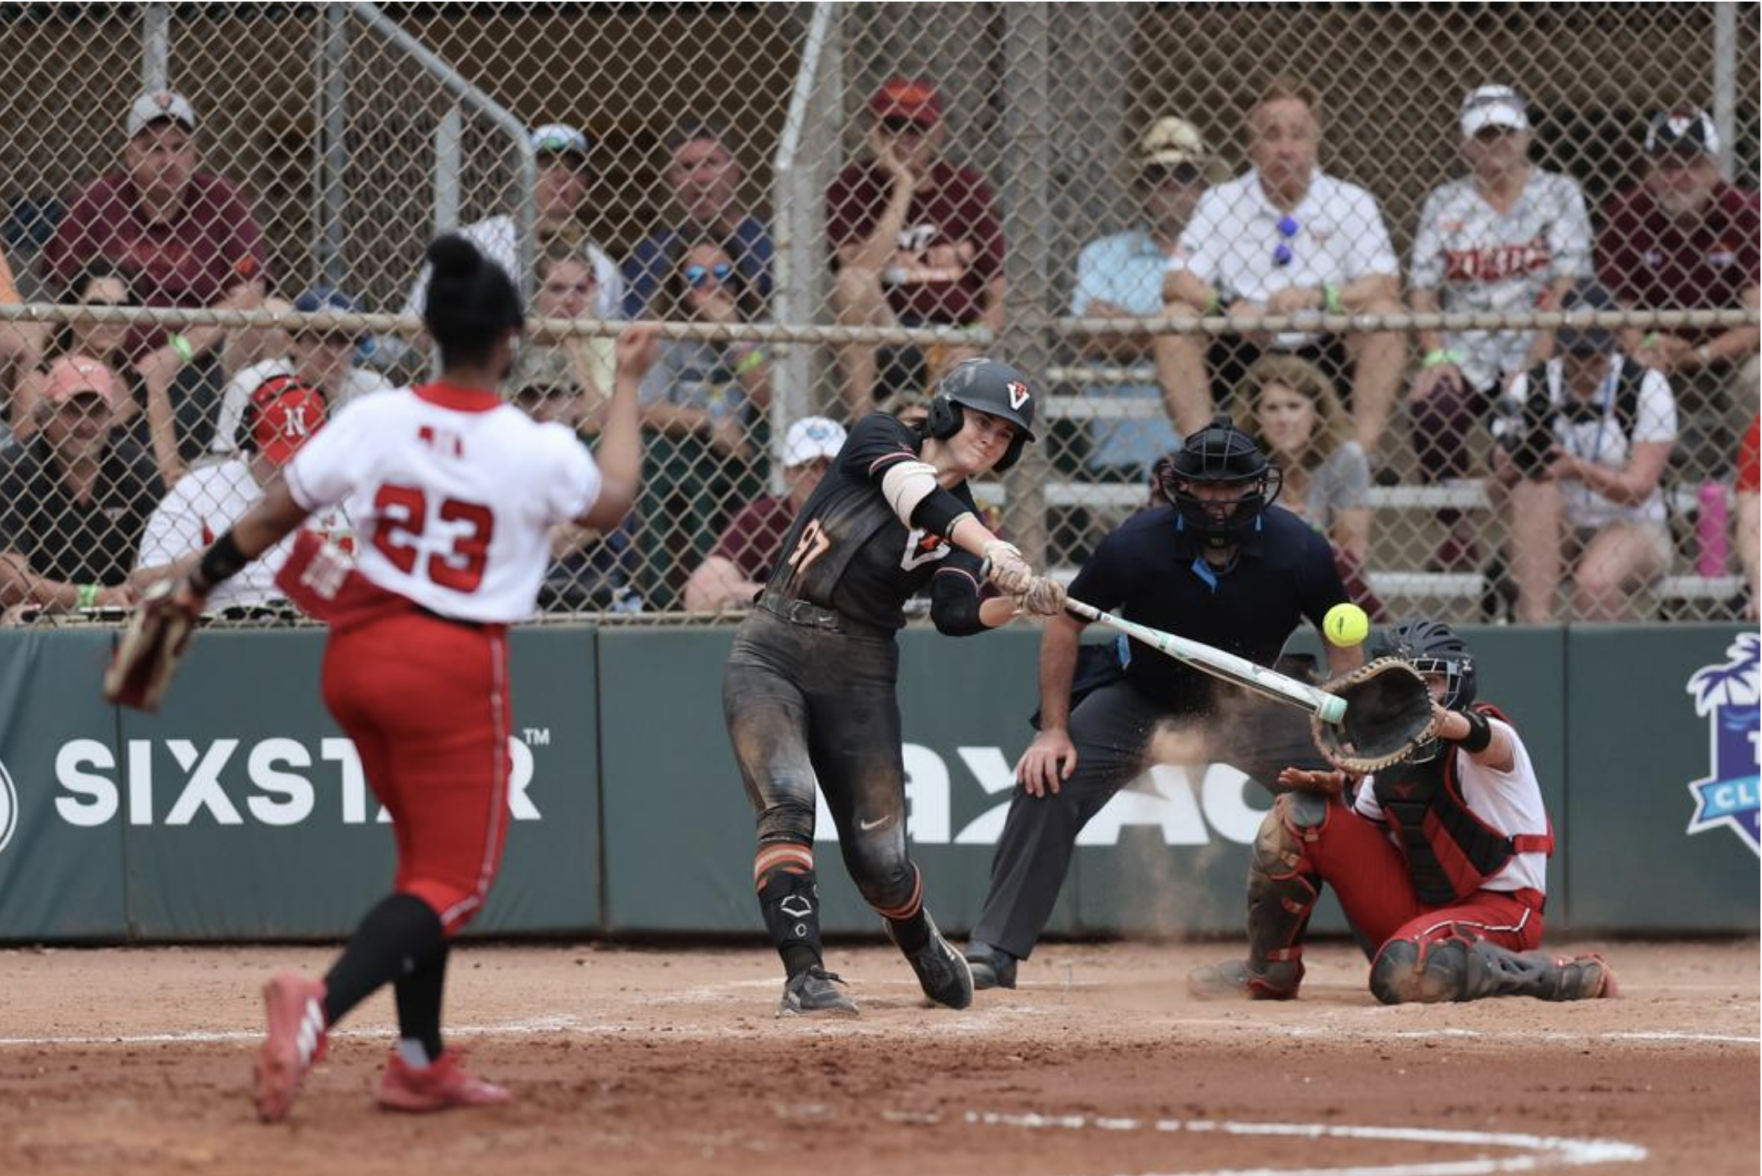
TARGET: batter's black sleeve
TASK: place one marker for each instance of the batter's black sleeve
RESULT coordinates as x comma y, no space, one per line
955,597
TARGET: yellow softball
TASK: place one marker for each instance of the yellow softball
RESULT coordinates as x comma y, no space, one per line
1346,624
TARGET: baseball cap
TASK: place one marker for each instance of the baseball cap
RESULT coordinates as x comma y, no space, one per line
1684,129
72,374
1170,141
909,99
812,438
561,139
1493,106
286,421
324,299
158,106
1587,340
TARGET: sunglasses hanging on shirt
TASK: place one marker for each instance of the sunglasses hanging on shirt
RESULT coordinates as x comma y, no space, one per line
1288,230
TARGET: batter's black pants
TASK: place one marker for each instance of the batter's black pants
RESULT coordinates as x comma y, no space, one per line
805,704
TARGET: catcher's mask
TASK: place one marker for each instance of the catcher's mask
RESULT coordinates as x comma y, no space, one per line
1431,647
988,386
1221,455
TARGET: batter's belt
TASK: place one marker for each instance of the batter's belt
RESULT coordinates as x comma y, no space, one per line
809,615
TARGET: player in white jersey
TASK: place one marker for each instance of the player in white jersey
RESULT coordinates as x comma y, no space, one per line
1506,237
1440,860
278,419
452,492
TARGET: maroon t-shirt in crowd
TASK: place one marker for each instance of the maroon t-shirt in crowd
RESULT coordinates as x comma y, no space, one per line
950,249
753,537
1645,259
192,261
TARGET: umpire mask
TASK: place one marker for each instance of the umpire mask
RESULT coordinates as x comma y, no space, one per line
1223,457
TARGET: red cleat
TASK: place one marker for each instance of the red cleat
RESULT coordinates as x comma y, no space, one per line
440,1086
295,1008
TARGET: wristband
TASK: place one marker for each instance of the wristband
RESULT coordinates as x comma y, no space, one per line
1703,355
1441,356
1331,300
222,561
86,596
182,346
1216,304
749,361
1480,732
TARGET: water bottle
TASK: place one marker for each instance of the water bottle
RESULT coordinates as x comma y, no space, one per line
1711,531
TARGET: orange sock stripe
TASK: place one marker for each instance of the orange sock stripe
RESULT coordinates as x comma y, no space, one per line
773,856
912,905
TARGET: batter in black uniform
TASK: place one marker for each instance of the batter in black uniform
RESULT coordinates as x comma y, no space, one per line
1219,564
809,689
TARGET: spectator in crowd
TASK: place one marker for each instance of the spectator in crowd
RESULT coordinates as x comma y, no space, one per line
567,289
248,346
1582,445
705,177
563,155
74,500
99,282
916,241
1296,417
1285,238
1506,237
590,570
1684,239
322,360
208,500
21,349
1120,276
699,405
1749,518
186,239
747,551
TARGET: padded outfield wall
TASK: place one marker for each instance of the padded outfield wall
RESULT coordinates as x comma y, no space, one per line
241,812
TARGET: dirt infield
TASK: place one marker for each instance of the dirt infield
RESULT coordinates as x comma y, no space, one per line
661,1062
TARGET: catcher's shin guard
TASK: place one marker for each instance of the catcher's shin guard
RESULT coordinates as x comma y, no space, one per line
1282,891
1459,969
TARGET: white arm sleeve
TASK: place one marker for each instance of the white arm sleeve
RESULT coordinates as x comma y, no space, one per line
906,484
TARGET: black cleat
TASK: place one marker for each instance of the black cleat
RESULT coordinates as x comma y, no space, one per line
992,966
815,993
943,971
1234,980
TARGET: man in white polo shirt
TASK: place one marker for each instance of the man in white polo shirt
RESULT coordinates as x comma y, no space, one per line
1283,239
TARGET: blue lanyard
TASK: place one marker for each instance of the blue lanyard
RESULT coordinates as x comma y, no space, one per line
1606,395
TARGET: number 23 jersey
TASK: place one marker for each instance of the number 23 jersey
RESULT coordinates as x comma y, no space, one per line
452,492
848,551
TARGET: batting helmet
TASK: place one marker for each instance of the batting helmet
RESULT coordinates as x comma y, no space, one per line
988,386
1432,647
1221,455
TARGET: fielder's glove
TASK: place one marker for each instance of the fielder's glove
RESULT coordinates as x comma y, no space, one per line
152,646
1389,714
1005,567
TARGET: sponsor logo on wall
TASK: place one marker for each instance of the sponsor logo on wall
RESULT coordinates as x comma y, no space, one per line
8,807
1726,696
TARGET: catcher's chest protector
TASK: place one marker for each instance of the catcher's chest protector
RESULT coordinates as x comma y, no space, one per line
1450,852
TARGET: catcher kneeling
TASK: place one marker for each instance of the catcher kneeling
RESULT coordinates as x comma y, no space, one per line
1440,859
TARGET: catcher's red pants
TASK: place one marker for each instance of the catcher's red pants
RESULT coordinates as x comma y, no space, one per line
1355,856
426,702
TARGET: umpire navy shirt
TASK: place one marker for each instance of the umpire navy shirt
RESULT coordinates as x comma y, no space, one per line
1151,569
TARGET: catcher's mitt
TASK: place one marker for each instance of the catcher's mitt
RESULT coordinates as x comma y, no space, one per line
1388,714
150,649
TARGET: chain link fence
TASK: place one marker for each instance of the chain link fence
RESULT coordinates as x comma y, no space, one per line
1351,227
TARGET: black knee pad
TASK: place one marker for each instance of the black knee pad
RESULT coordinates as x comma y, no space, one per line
1403,974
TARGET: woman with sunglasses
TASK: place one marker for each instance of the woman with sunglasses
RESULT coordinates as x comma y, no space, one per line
99,282
703,411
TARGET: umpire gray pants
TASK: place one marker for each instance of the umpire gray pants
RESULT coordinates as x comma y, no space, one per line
1110,729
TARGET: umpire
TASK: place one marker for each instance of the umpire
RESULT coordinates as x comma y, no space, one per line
1220,564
